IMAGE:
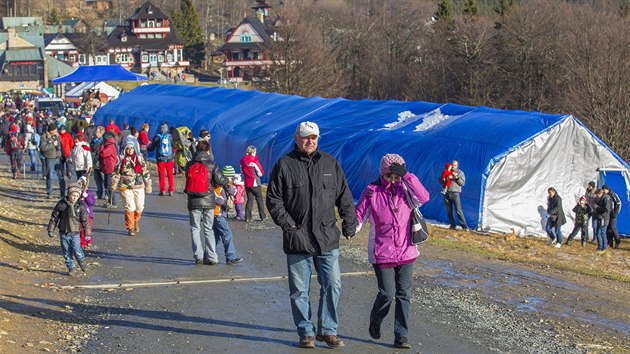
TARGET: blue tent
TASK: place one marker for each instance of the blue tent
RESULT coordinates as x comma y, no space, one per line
97,73
510,158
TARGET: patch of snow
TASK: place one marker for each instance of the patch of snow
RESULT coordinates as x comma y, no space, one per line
429,120
432,119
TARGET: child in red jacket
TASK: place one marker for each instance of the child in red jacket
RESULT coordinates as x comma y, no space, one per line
444,180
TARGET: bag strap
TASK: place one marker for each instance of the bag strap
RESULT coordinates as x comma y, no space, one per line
410,199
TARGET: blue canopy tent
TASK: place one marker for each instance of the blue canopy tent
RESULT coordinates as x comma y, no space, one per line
97,73
510,157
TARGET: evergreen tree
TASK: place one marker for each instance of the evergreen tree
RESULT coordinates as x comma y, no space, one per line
444,12
186,20
470,8
503,7
54,17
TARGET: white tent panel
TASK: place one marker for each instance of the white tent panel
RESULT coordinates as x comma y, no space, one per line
105,88
565,157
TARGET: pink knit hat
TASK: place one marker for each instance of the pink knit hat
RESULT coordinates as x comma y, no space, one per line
388,160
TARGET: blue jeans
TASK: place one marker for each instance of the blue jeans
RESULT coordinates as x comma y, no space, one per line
71,246
451,199
394,283
56,166
224,234
99,180
107,185
554,231
600,233
31,155
329,278
203,250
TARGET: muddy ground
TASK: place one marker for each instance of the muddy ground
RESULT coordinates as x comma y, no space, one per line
473,292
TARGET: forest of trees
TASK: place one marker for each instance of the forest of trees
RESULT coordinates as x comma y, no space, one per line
555,56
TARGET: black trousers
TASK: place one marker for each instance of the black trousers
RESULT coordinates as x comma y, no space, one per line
611,232
254,193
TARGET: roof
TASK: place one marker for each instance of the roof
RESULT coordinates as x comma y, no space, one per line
95,73
258,27
24,54
114,39
57,68
21,21
35,38
72,22
83,41
148,11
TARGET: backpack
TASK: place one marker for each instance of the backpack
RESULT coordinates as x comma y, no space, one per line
229,203
166,147
14,143
616,202
197,183
34,139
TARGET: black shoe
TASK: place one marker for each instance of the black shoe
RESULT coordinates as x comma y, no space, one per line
235,260
374,329
465,228
401,342
161,194
568,242
170,194
83,265
207,262
452,227
106,205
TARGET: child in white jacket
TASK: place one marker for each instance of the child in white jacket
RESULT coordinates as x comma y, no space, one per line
81,156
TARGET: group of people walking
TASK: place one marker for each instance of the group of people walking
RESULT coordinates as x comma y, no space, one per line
601,205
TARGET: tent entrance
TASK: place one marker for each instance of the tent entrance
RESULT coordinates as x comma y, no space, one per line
619,181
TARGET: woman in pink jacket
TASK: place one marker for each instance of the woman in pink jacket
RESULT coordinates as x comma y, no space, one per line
390,250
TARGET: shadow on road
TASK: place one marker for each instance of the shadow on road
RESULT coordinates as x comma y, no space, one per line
139,258
86,314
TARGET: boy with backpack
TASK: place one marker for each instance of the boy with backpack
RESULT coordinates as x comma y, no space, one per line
69,216
611,232
202,176
582,212
163,145
221,227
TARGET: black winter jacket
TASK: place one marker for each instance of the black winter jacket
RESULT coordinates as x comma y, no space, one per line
215,178
301,197
555,211
61,217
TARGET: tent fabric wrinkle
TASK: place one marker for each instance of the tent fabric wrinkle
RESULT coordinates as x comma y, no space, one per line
510,157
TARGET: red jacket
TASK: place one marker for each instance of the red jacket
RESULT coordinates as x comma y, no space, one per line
108,153
143,140
249,176
67,143
114,127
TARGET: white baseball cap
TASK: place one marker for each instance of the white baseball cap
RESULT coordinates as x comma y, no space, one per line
307,128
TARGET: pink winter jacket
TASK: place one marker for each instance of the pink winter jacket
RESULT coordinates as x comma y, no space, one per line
390,240
239,198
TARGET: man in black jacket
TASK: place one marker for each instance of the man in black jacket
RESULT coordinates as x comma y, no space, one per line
612,234
201,206
305,187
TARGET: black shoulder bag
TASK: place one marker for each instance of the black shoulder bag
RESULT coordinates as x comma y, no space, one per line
419,230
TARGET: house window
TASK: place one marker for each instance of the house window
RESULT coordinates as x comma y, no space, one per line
246,38
59,56
150,36
123,38
145,58
160,58
81,58
159,23
236,56
151,24
158,35
256,55
169,56
143,36
72,58
143,24
122,58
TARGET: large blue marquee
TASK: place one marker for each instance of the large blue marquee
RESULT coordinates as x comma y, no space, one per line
510,158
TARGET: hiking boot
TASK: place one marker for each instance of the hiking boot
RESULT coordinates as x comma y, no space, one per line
208,262
71,272
568,242
374,329
583,242
307,342
549,242
83,265
131,232
170,194
452,227
331,340
161,194
235,260
198,261
106,205
401,342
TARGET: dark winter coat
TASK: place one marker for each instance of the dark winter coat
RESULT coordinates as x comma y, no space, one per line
47,146
301,197
215,178
62,218
555,211
602,210
582,214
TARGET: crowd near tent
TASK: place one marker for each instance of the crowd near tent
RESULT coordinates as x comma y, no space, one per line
510,158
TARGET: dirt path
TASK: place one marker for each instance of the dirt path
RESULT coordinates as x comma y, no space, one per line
464,301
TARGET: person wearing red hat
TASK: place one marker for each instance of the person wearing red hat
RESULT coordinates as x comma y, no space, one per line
582,213
14,147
